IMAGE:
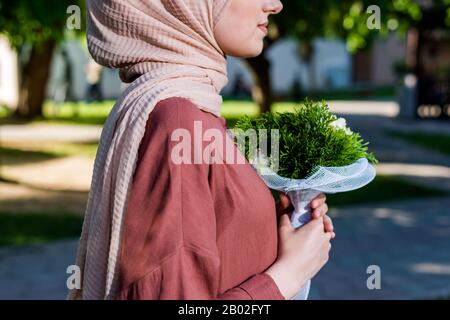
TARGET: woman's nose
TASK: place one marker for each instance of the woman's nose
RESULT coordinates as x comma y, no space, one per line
273,6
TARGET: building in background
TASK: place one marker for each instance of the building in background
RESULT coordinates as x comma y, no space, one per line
110,84
377,65
9,82
331,67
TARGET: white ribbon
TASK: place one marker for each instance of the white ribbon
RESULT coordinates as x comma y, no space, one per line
302,191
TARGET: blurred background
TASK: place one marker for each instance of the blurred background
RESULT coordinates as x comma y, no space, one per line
383,65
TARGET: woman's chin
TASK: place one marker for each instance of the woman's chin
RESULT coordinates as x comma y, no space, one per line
249,52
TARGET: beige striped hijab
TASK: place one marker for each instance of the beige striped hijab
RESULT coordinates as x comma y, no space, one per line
165,48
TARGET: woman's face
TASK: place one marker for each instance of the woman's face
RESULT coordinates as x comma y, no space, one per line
239,32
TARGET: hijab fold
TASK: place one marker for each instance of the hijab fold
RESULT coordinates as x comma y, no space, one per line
164,48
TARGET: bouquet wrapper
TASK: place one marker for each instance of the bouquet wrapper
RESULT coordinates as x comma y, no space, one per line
302,191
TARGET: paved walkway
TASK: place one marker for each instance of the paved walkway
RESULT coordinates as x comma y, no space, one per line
36,272
51,132
421,166
409,241
389,149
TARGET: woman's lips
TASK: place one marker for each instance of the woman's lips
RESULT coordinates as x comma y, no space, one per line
263,28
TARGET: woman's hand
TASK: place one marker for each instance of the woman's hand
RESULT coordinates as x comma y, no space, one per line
302,253
318,207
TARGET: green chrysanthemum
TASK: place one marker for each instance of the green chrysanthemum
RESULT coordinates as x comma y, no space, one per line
310,136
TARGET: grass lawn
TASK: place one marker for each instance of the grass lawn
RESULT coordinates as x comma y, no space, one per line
3,111
18,228
31,228
16,153
96,113
381,189
432,141
68,113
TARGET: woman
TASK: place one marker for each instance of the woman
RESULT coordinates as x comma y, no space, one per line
160,228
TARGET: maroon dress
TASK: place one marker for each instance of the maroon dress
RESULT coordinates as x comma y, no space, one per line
195,230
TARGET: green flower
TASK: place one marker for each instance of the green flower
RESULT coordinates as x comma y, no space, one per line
310,136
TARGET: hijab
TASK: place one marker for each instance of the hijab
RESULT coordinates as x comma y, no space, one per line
163,48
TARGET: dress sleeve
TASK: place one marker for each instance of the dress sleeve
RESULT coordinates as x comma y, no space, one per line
191,275
171,250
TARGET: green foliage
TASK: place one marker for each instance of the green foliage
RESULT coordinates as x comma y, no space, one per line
381,189
34,22
347,19
439,142
30,228
306,139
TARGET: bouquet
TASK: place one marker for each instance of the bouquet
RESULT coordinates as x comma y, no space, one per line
311,151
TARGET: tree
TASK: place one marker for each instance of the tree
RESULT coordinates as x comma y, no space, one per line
351,20
34,28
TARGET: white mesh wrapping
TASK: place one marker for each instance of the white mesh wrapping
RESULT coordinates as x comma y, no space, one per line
302,191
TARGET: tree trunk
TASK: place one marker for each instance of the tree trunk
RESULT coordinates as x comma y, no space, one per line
307,55
362,66
262,92
34,79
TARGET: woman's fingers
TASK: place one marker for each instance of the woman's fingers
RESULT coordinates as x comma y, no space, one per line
320,211
284,204
328,224
285,222
318,205
318,201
